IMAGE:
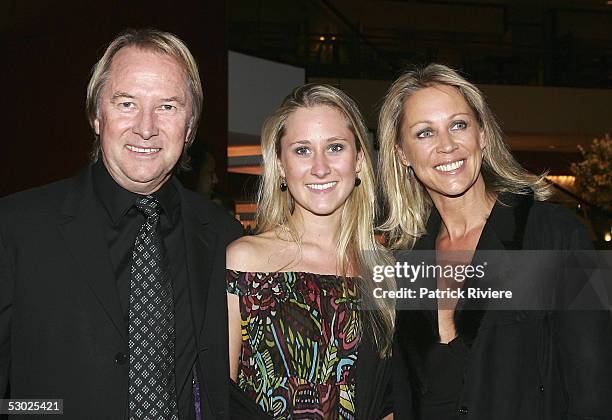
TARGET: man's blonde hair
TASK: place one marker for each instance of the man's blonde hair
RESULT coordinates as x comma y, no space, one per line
151,40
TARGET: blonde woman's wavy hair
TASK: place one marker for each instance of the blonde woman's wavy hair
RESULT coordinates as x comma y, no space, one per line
407,203
357,248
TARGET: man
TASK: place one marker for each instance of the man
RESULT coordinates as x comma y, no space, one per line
112,292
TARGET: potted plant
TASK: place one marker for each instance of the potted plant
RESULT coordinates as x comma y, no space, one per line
594,183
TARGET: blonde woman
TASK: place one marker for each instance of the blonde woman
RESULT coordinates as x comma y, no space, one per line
450,184
300,344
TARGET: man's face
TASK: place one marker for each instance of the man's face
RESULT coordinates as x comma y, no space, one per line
143,119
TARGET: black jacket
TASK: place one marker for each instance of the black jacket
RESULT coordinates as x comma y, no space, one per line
522,364
62,333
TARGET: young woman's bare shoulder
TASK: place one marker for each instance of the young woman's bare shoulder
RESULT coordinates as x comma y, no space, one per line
250,253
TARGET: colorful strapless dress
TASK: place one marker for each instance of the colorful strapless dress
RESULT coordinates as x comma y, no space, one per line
300,335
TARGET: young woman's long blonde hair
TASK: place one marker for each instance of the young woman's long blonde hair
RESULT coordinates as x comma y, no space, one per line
357,249
407,203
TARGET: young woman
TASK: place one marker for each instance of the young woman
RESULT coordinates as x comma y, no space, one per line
301,345
450,185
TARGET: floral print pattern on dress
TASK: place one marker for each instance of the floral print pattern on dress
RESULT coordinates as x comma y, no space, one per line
300,336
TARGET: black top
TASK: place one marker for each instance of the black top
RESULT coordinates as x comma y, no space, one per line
121,222
444,364
520,364
62,332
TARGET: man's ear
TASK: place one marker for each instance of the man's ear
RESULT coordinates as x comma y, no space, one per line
189,128
401,155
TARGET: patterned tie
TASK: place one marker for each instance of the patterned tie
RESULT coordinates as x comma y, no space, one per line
152,390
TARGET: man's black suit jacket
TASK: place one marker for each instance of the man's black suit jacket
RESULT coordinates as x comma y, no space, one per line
62,334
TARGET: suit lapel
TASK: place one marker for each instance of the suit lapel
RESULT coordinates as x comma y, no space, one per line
200,246
504,230
417,331
81,229
499,229
469,313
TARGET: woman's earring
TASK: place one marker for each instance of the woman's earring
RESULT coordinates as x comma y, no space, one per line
283,185
357,181
409,170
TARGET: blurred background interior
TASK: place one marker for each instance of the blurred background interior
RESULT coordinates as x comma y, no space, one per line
544,65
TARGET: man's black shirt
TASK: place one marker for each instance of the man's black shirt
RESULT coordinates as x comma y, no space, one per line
121,222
